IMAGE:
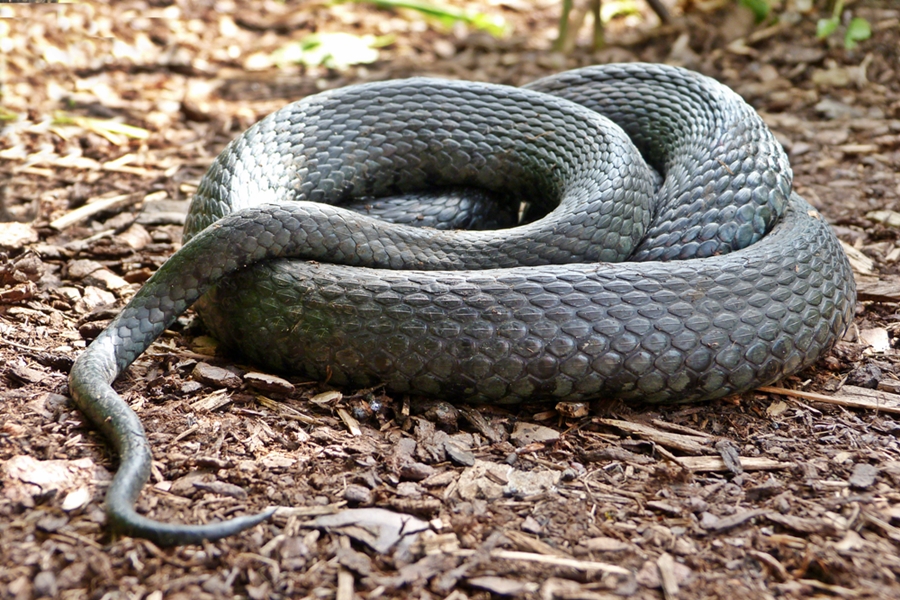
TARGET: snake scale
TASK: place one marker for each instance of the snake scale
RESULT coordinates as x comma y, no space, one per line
730,280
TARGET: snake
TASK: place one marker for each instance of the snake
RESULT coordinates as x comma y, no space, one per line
649,247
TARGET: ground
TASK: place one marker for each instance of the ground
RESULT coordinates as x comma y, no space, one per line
111,113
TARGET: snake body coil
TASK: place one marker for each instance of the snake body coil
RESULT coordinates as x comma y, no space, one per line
732,281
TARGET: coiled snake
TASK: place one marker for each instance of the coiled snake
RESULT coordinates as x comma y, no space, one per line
731,282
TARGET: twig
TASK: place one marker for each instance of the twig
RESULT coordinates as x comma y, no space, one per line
81,213
556,561
880,401
715,463
685,443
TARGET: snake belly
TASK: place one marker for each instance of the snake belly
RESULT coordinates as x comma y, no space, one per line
732,281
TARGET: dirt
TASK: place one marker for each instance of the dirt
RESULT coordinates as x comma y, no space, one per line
758,496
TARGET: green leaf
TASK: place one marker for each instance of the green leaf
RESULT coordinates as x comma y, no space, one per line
857,31
7,115
333,50
611,9
495,25
759,8
102,127
826,27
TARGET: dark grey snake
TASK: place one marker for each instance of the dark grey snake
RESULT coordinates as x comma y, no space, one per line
732,281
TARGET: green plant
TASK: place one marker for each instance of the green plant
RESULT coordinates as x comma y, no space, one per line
759,8
858,29
495,25
8,115
332,50
103,127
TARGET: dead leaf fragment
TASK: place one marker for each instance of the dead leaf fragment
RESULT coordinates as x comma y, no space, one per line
671,574
24,477
777,408
378,528
268,383
686,443
573,410
14,236
711,522
529,433
213,401
876,338
331,397
215,376
890,218
606,544
76,499
863,475
859,262
803,524
731,456
491,480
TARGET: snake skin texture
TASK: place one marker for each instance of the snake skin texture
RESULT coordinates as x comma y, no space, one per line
731,281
